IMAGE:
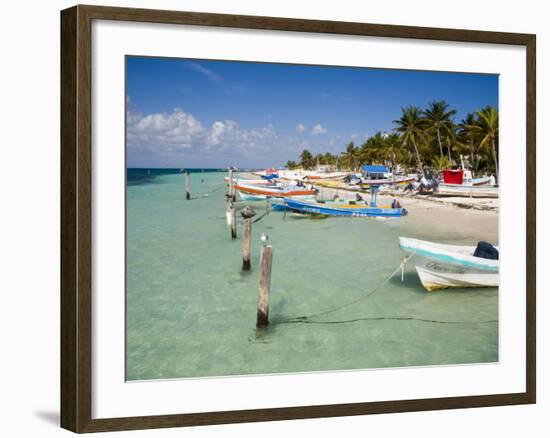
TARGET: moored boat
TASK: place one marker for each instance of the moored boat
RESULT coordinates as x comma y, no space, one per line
250,192
467,191
342,208
461,183
374,175
441,266
399,181
249,181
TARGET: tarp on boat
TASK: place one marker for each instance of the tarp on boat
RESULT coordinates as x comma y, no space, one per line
453,176
374,169
486,250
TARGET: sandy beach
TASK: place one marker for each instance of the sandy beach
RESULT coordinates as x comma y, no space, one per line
476,217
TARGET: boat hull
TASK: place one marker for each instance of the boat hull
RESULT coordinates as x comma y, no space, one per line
442,277
335,210
386,182
252,192
467,191
441,266
249,181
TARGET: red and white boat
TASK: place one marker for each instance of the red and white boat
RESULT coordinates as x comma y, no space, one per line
252,192
461,183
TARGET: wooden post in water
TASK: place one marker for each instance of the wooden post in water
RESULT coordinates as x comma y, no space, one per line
247,213
266,257
231,191
228,210
187,186
233,220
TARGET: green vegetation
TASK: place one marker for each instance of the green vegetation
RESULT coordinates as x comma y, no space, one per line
422,138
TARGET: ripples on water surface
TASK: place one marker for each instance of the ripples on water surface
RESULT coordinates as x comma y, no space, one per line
191,311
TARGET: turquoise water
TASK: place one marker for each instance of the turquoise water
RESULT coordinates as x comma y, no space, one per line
191,310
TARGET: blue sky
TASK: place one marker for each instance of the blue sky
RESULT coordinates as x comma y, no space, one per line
197,113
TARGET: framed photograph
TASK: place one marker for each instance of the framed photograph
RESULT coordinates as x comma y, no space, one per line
270,218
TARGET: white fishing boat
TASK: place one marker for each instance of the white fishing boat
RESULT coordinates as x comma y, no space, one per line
252,192
441,266
321,173
250,181
467,191
462,183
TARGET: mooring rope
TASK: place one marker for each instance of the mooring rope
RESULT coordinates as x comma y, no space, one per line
205,195
382,318
298,319
307,319
268,209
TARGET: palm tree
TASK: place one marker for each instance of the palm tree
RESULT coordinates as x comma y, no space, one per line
441,162
372,150
329,158
290,165
438,120
350,155
306,159
319,159
411,127
467,131
487,127
392,150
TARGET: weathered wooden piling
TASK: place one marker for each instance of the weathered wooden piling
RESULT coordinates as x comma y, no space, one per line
247,213
232,217
266,257
187,186
228,210
231,191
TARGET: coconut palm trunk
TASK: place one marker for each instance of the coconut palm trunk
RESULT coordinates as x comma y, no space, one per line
439,142
494,150
418,161
473,153
393,169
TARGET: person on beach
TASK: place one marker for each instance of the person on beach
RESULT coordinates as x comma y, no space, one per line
359,198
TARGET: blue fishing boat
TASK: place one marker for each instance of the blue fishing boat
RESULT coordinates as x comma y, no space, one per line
350,209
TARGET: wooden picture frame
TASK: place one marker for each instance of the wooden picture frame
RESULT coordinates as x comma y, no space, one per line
76,217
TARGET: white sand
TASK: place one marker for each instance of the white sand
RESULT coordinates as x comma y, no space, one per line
474,217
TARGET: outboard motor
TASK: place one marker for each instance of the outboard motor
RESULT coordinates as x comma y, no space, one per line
486,251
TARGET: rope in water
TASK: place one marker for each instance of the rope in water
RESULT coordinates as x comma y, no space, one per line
205,195
268,209
307,319
298,319
381,318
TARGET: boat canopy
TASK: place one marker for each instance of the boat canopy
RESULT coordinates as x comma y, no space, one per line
377,171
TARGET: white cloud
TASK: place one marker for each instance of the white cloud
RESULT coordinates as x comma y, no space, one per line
179,139
159,133
300,127
206,72
176,129
318,129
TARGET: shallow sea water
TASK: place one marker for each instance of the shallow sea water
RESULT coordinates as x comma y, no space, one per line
191,310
